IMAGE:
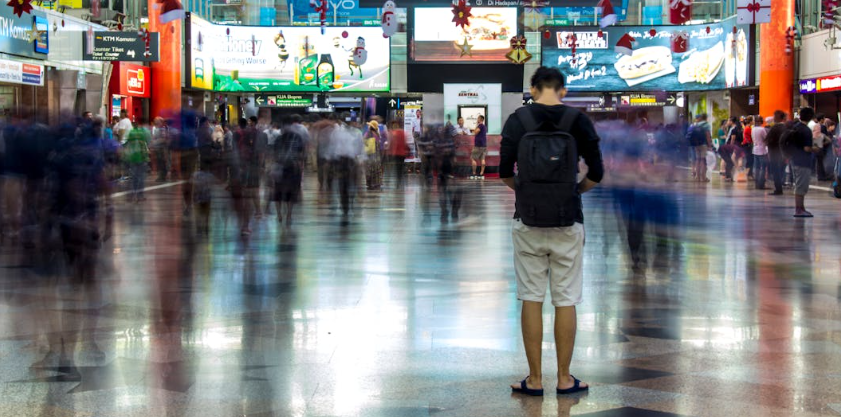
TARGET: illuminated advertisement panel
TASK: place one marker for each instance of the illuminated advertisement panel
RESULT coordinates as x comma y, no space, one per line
288,59
436,39
665,58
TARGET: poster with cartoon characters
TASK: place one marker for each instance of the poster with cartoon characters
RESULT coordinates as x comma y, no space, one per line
288,59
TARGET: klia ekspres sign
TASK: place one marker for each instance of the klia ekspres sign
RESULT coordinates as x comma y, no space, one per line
820,85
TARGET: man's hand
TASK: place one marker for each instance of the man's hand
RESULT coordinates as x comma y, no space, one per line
586,185
509,182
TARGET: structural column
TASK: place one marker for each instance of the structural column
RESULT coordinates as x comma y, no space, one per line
166,74
776,68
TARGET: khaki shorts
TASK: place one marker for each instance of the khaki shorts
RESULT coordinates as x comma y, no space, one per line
479,153
802,177
549,257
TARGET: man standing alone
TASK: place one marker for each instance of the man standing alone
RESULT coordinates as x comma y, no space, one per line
800,148
760,153
545,141
775,154
480,148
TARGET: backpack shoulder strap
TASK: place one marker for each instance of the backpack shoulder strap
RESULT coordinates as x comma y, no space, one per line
527,119
567,120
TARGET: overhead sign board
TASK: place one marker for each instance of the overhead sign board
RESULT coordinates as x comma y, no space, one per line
20,73
647,100
283,100
15,33
666,58
287,59
121,46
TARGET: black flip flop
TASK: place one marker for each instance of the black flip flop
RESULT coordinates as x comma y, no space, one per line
576,387
526,390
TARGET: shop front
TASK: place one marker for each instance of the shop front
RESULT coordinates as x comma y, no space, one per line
662,62
22,73
130,90
820,74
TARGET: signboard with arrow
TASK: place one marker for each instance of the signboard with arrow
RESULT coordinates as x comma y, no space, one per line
283,100
121,46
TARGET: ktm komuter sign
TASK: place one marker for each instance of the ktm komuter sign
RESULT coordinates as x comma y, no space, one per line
120,46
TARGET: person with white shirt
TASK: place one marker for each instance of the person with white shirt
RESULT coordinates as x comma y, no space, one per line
461,129
761,160
123,127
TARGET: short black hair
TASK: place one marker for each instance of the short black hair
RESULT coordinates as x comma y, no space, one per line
734,119
546,77
779,115
296,118
253,119
820,116
703,116
807,114
243,123
481,117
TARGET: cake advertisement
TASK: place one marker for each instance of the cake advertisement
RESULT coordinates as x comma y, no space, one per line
288,59
665,58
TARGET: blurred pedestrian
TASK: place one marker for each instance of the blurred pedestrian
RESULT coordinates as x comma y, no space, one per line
397,152
373,162
776,160
288,169
136,156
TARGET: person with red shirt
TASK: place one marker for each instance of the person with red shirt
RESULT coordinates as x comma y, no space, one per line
747,145
397,150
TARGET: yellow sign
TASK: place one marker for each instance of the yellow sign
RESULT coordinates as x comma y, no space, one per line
73,4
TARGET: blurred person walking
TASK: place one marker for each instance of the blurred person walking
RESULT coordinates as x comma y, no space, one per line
136,157
747,144
203,181
760,152
188,149
700,140
397,152
288,170
347,147
545,141
373,162
449,193
776,160
160,148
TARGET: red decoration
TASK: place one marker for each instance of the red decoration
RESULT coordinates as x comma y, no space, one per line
62,22
143,34
680,41
320,7
547,34
708,30
753,11
601,34
791,34
461,14
828,15
344,34
171,10
652,32
20,6
228,31
680,11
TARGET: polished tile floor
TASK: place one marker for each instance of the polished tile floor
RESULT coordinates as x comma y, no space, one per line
699,301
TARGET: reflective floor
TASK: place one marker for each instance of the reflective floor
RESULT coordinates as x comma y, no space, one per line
719,304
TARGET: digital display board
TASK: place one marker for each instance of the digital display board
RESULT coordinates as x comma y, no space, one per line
701,59
436,39
288,59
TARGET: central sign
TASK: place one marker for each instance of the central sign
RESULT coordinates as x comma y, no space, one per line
283,100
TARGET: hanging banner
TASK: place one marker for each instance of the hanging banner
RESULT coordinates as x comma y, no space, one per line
120,46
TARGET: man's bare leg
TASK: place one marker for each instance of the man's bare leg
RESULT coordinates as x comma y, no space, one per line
565,328
532,324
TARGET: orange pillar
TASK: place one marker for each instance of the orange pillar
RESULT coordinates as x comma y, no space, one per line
776,69
166,74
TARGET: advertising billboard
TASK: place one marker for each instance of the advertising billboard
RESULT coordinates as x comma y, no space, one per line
288,59
820,85
436,39
675,58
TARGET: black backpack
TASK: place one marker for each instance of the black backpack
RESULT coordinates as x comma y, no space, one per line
787,140
547,172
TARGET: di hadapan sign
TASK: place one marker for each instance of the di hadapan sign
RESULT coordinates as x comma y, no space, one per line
121,46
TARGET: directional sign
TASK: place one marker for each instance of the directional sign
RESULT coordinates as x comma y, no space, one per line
671,99
121,46
283,100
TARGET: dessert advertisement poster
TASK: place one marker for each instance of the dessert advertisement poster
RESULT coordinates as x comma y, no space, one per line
676,58
288,59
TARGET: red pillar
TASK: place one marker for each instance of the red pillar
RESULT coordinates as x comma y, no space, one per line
776,77
166,74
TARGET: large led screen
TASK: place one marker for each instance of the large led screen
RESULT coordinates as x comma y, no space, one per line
437,39
711,59
288,59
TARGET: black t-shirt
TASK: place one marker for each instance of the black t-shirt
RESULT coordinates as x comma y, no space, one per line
801,139
587,140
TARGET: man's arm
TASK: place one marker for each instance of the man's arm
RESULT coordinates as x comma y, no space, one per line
588,144
511,134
